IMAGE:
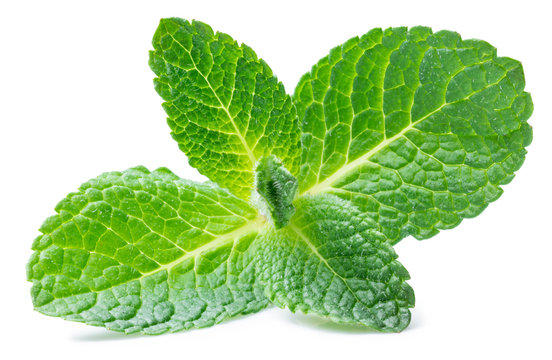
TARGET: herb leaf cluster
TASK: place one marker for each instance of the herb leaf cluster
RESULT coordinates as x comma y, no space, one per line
395,133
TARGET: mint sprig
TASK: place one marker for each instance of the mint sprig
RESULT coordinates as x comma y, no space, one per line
398,132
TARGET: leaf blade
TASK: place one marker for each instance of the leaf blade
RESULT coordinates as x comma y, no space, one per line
226,109
415,123
333,263
140,251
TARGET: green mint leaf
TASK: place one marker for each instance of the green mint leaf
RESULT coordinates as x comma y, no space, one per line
225,108
417,129
331,261
140,251
276,189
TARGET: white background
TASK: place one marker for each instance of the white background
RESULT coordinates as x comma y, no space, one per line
76,99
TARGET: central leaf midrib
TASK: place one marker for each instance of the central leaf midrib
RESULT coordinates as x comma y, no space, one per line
250,154
249,227
322,186
315,251
329,181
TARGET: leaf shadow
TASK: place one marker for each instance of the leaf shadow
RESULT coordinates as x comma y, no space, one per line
101,334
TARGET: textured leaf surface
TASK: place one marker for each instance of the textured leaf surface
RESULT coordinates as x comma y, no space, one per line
226,109
139,251
418,130
333,262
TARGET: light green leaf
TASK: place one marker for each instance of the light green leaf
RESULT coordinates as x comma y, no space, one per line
140,251
226,109
419,130
331,261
